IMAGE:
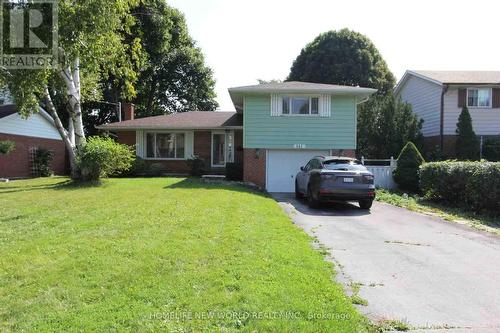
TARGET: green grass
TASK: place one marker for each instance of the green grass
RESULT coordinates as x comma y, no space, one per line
155,254
488,223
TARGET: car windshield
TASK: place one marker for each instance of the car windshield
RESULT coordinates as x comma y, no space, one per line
347,165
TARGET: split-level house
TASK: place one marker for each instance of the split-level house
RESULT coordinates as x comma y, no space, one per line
438,97
276,129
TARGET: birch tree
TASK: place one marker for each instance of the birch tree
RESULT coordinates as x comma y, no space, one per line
90,49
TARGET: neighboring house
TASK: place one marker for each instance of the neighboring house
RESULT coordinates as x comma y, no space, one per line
437,97
276,129
36,131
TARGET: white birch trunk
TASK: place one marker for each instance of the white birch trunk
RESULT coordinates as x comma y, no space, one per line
71,78
70,147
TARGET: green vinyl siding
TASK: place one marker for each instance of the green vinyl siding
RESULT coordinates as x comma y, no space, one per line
261,130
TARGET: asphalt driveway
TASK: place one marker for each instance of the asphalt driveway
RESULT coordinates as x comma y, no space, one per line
422,270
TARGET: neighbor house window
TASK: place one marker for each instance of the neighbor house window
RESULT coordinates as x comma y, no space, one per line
480,97
165,145
300,105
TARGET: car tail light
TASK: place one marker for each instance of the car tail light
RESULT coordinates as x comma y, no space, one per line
368,178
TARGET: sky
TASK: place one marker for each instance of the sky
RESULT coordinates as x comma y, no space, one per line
248,40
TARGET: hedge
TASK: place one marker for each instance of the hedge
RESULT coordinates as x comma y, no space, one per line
473,185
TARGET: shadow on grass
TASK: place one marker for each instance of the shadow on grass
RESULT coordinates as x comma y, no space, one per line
489,219
63,185
198,183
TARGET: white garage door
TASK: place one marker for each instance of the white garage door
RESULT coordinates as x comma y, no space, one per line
283,165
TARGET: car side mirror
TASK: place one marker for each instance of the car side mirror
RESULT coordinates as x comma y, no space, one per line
302,168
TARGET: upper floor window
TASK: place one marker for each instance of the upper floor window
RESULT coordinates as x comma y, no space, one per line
479,97
300,105
165,145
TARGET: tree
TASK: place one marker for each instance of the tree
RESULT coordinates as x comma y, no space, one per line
175,77
406,174
467,144
385,125
342,57
90,48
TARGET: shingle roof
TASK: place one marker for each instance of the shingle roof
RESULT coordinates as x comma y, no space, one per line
7,110
298,86
182,120
468,77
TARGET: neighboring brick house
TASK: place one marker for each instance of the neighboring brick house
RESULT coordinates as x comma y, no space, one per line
437,97
276,129
36,131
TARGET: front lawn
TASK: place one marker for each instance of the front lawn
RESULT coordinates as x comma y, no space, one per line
167,254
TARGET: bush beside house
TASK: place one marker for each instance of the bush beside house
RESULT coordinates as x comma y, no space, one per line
467,144
103,157
6,147
473,185
406,174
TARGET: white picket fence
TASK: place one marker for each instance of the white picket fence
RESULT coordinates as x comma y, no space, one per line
382,173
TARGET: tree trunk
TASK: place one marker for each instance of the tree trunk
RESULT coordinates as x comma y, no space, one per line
72,80
62,132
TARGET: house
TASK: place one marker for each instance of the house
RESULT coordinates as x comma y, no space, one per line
276,129
437,97
28,134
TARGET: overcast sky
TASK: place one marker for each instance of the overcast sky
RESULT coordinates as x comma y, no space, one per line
248,40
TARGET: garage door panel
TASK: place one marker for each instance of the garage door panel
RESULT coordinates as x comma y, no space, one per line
283,165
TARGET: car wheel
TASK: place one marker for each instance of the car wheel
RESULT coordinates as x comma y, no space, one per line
312,199
365,204
298,195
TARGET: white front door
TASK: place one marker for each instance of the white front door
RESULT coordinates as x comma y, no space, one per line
283,165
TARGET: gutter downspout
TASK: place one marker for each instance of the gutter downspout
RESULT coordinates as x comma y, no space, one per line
441,119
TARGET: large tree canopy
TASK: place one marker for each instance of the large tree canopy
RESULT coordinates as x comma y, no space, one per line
91,49
342,57
175,77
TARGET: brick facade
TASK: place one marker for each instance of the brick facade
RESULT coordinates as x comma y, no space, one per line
202,148
17,164
254,166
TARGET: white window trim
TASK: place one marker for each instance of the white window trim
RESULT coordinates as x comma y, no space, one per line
163,158
225,150
290,96
479,107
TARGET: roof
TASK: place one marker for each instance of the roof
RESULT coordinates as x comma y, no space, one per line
181,120
10,109
469,77
296,87
7,110
337,158
452,77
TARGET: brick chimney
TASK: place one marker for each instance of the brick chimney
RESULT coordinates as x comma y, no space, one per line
128,110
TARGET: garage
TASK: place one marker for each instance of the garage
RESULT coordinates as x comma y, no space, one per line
283,165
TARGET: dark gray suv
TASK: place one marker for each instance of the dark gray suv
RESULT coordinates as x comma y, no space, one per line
326,179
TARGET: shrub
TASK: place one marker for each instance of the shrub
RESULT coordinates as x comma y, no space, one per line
234,171
139,168
196,165
103,157
42,160
491,149
6,147
406,174
473,185
467,144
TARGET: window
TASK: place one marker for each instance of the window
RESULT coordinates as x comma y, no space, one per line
480,97
346,165
165,145
300,105
222,148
